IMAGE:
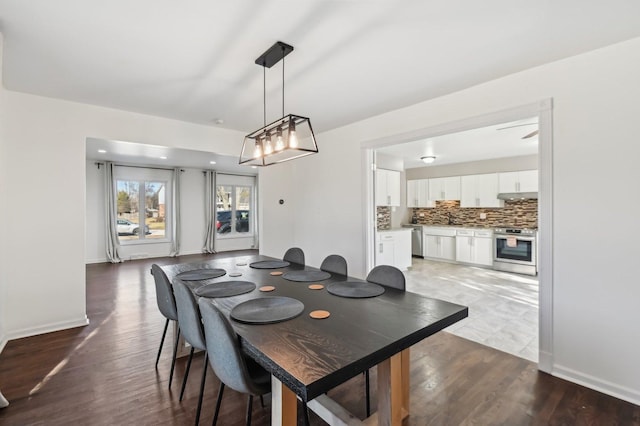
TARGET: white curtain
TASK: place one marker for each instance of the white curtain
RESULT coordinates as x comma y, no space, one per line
175,222
209,212
112,243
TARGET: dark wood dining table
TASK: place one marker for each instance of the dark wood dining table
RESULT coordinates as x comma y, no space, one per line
307,357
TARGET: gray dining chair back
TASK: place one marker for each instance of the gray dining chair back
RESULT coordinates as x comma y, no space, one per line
164,293
334,264
225,356
388,276
294,255
189,316
167,306
193,332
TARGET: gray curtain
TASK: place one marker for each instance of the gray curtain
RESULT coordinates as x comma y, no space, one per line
209,212
111,215
175,222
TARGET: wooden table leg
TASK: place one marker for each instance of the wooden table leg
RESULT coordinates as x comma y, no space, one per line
284,404
405,357
390,395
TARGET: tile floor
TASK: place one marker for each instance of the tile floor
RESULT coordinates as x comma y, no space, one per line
503,307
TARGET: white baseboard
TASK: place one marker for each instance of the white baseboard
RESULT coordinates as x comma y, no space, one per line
613,389
88,261
545,361
3,342
47,328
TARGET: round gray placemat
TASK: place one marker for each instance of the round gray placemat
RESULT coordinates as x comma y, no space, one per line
225,289
267,310
270,264
306,276
201,274
355,289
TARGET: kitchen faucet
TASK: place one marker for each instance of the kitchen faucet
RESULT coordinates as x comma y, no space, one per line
449,218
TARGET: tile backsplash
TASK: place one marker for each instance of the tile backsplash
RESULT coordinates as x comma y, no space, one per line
516,213
383,217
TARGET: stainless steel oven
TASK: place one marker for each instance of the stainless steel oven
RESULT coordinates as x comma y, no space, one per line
515,250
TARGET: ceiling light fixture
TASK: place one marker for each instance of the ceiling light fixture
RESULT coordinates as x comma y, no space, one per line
102,151
285,139
428,159
212,162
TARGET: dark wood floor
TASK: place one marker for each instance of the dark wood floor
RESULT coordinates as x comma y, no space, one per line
103,374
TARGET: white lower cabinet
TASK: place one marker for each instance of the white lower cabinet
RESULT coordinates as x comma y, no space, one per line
474,247
439,243
394,248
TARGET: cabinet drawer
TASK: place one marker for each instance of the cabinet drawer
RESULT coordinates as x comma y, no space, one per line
483,233
440,232
464,233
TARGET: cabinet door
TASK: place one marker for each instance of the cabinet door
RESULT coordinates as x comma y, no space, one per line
469,191
384,252
381,188
508,182
488,191
431,246
423,194
393,187
483,251
436,189
448,248
412,193
528,181
451,188
463,248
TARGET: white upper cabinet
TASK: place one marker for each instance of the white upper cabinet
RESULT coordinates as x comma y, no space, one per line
387,187
522,181
447,188
480,191
418,193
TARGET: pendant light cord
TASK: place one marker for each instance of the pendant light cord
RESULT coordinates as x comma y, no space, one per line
264,92
283,81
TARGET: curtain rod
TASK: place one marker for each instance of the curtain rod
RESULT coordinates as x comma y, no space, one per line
97,163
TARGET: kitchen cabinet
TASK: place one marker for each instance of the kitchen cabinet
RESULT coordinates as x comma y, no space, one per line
418,193
522,181
387,187
474,246
439,243
480,191
394,248
447,188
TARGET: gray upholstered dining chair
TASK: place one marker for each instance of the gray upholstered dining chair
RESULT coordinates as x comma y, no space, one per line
334,264
167,306
234,369
193,332
388,276
294,255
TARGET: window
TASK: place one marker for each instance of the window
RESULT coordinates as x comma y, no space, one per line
142,204
234,212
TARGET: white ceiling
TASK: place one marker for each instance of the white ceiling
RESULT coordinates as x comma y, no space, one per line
194,60
497,141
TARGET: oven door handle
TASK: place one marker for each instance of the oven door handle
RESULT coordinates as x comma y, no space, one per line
504,237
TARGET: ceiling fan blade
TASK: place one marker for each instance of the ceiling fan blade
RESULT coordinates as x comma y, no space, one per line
530,135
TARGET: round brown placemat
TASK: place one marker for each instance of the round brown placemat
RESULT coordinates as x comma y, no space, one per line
267,288
316,287
319,314
276,273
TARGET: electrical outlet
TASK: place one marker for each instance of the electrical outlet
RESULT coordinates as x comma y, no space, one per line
483,215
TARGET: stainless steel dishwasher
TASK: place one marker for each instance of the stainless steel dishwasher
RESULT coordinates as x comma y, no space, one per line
416,239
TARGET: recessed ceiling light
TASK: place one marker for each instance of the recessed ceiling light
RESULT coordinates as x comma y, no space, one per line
212,162
428,159
254,167
102,151
218,121
163,158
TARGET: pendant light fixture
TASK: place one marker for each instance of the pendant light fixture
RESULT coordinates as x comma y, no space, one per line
285,139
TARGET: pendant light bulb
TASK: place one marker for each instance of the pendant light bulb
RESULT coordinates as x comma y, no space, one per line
257,150
268,148
293,139
279,140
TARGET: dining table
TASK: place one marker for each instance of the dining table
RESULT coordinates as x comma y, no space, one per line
309,356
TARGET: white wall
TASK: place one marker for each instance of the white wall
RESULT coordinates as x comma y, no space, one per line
3,217
595,153
42,272
192,218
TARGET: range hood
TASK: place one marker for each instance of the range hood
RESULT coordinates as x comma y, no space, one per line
517,195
